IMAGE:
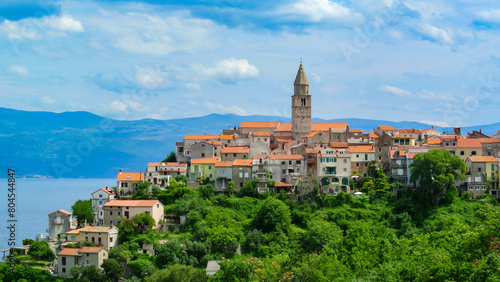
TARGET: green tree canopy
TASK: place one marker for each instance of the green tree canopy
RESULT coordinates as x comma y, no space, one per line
171,158
249,189
144,220
41,251
113,269
381,186
272,215
83,211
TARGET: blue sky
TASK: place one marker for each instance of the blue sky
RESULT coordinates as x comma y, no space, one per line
379,59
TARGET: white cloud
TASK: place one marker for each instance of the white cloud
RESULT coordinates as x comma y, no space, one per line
65,23
225,109
395,91
150,78
231,69
437,123
15,31
319,10
18,70
429,95
48,100
316,78
434,33
490,15
118,106
191,85
152,35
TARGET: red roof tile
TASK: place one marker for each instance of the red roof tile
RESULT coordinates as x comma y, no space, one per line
130,176
483,159
130,203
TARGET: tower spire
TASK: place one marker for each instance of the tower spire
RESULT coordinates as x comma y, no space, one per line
301,84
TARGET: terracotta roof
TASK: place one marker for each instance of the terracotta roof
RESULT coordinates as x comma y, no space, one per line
468,143
311,134
411,155
310,151
432,141
286,157
90,249
130,176
283,184
449,137
262,134
409,131
325,126
356,130
235,150
386,127
107,190
63,211
283,138
373,135
242,162
216,143
130,203
202,137
488,140
224,164
483,159
259,124
68,252
338,145
204,161
361,149
284,126
91,228
226,137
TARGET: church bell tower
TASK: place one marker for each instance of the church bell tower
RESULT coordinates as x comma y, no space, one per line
301,106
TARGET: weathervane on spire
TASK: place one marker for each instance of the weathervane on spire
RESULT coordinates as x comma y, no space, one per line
301,60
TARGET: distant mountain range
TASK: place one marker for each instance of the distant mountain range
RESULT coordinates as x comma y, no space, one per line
81,144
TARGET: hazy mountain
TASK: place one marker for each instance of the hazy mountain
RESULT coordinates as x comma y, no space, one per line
81,144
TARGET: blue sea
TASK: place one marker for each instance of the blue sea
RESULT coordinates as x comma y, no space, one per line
36,198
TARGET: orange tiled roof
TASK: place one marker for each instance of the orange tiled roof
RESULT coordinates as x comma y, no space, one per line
489,140
386,127
226,137
235,150
283,138
262,134
202,137
224,164
449,137
325,126
338,145
468,143
286,157
130,203
284,126
361,149
204,161
411,155
311,134
90,249
259,124
433,141
373,135
68,252
283,184
483,159
91,228
242,162
63,211
409,131
356,130
130,176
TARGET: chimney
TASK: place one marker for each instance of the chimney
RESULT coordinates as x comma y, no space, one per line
479,130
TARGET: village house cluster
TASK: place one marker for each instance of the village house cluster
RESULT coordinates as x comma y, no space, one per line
332,152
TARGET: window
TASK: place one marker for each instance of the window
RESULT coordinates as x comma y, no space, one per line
366,157
483,187
478,169
357,156
471,187
234,155
489,146
283,163
100,203
209,167
331,170
380,157
357,164
211,176
88,261
477,187
73,237
492,166
64,270
63,262
202,155
196,168
366,164
492,175
119,213
246,174
111,239
241,174
289,162
298,162
345,169
110,213
284,171
473,153
100,195
462,153
124,184
345,161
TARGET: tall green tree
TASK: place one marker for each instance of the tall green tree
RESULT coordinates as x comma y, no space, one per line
41,251
144,220
83,211
381,186
272,215
113,269
171,158
436,170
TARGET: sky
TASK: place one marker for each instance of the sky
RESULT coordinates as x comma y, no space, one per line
429,61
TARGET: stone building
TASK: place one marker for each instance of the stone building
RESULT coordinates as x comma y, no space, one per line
59,222
301,106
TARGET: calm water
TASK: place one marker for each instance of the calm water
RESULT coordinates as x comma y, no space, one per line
36,198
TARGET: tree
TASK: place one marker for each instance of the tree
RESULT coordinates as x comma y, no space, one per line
113,269
138,266
41,251
381,186
206,191
83,211
436,170
144,220
272,215
171,158
178,272
271,183
249,189
230,188
28,241
171,253
91,274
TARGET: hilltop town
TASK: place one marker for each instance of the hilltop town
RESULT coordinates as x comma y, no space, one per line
183,210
